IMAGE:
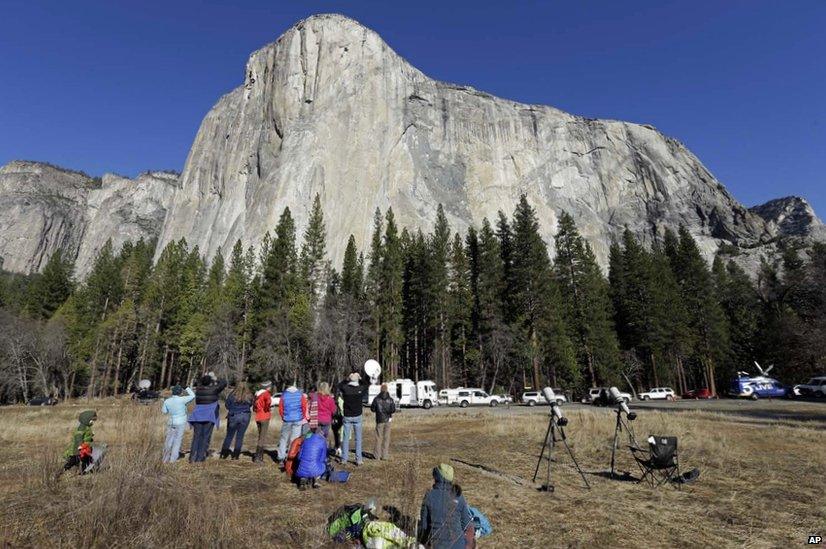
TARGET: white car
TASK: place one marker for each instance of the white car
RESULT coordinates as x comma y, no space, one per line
594,393
532,398
658,393
814,387
505,399
474,397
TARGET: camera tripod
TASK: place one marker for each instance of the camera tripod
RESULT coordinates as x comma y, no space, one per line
632,440
554,434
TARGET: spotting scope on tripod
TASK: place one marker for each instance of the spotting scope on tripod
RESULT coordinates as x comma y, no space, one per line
624,417
555,433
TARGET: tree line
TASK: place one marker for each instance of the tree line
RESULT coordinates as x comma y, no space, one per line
486,308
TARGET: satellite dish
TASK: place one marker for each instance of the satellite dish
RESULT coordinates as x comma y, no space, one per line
144,384
761,370
373,369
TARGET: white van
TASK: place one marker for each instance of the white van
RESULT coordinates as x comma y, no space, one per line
408,393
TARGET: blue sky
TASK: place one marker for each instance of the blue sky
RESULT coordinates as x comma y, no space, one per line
122,86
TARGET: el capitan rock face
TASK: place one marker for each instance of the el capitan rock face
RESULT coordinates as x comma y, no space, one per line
329,108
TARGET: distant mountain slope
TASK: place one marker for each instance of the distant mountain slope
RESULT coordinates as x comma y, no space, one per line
44,208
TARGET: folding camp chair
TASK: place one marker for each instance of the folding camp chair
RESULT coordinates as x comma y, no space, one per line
660,462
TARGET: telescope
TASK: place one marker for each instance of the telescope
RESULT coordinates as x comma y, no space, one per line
556,410
622,406
555,433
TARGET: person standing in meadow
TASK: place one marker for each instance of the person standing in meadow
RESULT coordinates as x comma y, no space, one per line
239,404
384,407
326,410
263,413
204,418
352,394
294,413
175,407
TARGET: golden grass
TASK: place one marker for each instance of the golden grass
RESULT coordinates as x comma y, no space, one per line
760,484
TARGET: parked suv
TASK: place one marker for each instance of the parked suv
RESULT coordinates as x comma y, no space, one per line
658,393
599,396
532,398
814,387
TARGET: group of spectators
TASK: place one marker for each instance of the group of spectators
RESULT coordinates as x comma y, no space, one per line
337,418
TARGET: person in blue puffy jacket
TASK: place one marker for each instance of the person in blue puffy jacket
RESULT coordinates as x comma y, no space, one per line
312,461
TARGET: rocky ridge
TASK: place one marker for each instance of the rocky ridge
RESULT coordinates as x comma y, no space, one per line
44,208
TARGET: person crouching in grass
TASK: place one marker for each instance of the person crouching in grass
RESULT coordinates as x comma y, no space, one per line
312,460
79,452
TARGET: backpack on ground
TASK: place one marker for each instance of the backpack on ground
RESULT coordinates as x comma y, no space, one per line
347,523
334,475
379,534
480,522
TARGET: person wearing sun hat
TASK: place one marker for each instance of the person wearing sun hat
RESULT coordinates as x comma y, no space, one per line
445,515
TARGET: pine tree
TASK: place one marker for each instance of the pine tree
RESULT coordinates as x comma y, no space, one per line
351,274
160,305
390,295
494,336
313,264
705,315
505,235
535,300
459,308
51,288
236,303
670,338
587,304
373,282
280,270
741,305
437,282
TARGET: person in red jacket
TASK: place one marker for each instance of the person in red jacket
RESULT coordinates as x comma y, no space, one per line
326,410
261,408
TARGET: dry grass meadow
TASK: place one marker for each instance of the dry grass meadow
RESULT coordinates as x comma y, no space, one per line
761,483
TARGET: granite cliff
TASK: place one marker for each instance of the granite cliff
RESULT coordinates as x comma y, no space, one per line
330,108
